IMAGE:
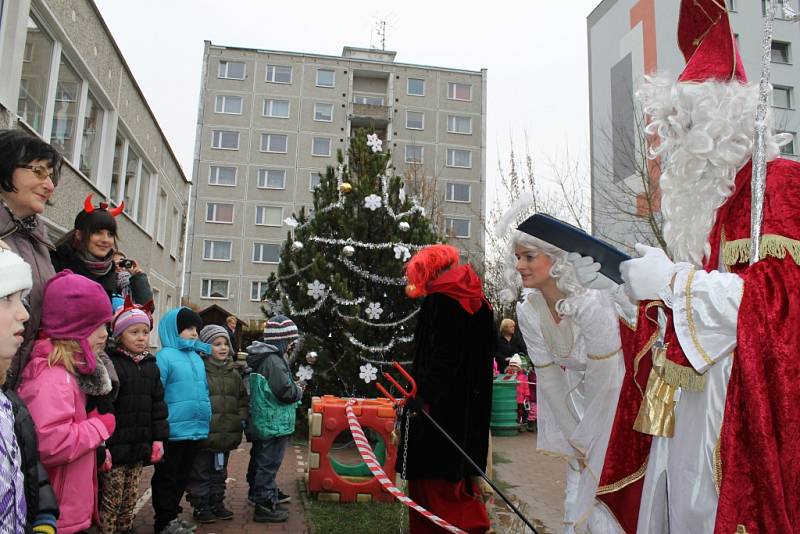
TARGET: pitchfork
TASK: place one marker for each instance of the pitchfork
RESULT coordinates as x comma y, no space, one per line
412,394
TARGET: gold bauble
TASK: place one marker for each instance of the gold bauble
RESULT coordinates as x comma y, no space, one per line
345,187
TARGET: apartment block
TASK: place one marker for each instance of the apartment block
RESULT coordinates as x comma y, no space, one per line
630,38
269,123
65,80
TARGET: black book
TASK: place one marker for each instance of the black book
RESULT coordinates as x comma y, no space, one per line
570,238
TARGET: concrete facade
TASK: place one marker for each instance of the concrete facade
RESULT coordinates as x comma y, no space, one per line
65,79
629,38
269,122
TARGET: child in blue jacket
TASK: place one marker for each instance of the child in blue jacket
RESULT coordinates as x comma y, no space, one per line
183,376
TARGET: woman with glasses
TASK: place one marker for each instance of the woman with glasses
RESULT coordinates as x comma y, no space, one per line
29,172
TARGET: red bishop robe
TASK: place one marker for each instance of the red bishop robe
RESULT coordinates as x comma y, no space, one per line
760,435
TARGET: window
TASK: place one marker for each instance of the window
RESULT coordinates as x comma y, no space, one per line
457,227
116,171
271,179
217,250
257,290
415,120
225,140
92,135
228,104
459,91
132,170
177,233
323,112
782,97
780,52
266,253
459,158
368,100
269,216
143,196
459,125
788,149
321,146
35,76
276,108
782,11
217,212
215,289
458,192
325,78
279,74
65,112
274,143
218,175
414,153
314,179
415,87
161,233
231,70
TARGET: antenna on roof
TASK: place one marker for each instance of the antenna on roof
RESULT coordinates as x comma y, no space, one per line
380,28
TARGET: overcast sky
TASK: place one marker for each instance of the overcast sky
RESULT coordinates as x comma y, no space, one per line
535,53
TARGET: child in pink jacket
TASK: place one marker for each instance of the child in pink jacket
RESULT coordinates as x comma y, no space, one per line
61,368
514,372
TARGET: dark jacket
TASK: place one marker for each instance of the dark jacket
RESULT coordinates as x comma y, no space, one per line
65,257
273,393
453,368
39,495
34,248
506,349
139,409
228,406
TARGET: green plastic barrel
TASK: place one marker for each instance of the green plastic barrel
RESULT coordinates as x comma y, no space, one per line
504,407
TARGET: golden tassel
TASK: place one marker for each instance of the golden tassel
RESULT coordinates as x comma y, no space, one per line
657,413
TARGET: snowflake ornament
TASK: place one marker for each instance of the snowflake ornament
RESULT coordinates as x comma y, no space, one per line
290,222
401,252
368,373
304,373
316,290
374,143
372,202
374,310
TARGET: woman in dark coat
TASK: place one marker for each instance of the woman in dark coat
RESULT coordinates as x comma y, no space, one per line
509,343
454,346
89,250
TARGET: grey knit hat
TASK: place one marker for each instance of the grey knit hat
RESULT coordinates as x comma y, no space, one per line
211,332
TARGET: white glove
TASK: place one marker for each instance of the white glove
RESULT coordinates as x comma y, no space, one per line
645,276
587,271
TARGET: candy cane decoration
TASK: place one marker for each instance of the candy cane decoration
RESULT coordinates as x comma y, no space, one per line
374,465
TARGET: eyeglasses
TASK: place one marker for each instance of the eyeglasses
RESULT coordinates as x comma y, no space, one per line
40,171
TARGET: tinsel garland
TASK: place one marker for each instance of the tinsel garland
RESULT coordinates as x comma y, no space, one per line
384,348
378,325
386,280
360,244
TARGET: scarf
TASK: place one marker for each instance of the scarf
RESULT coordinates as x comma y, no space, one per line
132,355
13,508
96,266
124,282
26,225
462,284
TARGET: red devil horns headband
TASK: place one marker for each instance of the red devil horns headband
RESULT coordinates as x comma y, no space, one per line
89,208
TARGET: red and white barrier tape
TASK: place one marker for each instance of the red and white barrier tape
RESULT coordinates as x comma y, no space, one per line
375,468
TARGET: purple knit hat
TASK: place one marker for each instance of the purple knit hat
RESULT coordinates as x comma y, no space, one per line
128,316
73,308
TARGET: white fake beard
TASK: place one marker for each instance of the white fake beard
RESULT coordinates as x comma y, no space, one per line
706,135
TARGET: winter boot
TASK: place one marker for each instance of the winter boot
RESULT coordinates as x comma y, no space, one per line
221,512
282,497
269,513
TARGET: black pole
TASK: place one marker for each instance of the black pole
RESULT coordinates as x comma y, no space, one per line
478,469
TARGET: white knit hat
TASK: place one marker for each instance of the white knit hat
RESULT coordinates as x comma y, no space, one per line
515,360
15,273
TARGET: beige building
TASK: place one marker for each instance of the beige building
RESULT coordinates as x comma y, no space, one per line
65,80
270,122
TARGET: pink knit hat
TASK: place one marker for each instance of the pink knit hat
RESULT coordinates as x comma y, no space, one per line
128,316
73,308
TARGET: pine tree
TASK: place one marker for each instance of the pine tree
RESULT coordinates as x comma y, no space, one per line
340,276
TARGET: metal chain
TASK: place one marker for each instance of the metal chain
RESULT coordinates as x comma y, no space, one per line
401,530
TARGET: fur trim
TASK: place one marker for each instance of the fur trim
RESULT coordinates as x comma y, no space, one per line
96,384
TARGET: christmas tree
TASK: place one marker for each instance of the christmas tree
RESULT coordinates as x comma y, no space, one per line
340,276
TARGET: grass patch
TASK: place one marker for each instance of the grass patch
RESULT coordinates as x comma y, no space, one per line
498,458
358,518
